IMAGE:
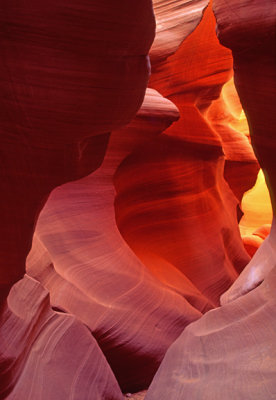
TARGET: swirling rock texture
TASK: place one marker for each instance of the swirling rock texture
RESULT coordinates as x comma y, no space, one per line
62,90
255,77
175,20
83,281
51,355
178,214
230,352
226,117
58,80
96,276
71,73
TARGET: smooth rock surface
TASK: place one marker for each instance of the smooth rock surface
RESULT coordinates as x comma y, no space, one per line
230,352
49,355
80,256
175,20
141,248
70,72
249,29
173,205
226,117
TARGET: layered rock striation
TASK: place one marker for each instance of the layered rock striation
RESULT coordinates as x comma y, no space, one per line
230,351
173,205
125,258
70,73
50,355
62,91
80,256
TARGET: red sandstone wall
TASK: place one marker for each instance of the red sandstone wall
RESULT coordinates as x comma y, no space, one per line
124,258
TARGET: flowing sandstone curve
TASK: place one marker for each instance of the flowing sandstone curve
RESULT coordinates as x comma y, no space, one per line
134,343
175,20
51,355
173,205
249,29
80,256
70,73
229,353
205,63
226,117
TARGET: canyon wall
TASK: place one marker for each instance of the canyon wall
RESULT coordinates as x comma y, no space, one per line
121,196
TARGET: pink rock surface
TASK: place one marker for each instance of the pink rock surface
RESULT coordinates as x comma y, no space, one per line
49,355
80,256
70,72
255,78
175,20
173,205
230,352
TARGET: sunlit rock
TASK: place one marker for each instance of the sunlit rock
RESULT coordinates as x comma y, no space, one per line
229,352
248,28
80,256
49,355
173,205
175,20
70,72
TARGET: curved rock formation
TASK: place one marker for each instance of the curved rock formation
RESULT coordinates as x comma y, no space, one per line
253,242
225,115
70,73
229,352
179,214
249,29
61,87
49,355
80,256
175,20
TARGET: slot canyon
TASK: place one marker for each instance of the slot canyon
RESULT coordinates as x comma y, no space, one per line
138,189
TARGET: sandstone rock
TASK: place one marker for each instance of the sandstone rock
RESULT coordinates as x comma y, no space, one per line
225,115
251,243
174,22
263,231
80,256
248,28
70,72
49,355
229,352
178,212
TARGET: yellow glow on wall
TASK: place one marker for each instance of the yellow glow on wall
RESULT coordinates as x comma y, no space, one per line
256,206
